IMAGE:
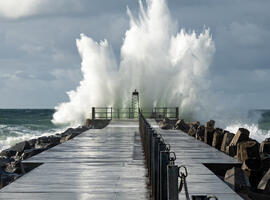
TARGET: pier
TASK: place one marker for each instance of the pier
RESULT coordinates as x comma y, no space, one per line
98,164
110,163
195,156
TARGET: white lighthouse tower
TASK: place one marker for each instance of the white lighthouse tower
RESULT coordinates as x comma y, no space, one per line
135,104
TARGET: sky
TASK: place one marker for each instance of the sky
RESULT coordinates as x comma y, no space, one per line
39,61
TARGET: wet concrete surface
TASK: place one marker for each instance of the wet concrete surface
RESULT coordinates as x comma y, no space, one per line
98,164
193,153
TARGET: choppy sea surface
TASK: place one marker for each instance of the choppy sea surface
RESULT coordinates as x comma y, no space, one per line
22,124
256,121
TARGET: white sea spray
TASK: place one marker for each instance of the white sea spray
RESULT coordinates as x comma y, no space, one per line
166,65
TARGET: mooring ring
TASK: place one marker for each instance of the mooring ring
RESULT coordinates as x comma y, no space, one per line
167,147
174,156
183,173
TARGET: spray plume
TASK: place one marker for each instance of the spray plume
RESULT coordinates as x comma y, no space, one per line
167,66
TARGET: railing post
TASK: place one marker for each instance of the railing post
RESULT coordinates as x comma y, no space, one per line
172,181
150,155
162,171
93,113
164,161
111,113
106,113
155,165
177,112
161,147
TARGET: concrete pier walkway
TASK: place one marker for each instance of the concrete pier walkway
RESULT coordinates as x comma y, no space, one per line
194,154
109,164
98,164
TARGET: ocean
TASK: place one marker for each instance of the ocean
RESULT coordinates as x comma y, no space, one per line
23,124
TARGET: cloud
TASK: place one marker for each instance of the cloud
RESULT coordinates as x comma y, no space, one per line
38,36
14,9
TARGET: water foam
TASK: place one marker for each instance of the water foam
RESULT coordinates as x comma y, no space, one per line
255,132
10,135
167,66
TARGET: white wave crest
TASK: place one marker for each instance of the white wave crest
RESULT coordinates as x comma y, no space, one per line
167,66
255,132
10,135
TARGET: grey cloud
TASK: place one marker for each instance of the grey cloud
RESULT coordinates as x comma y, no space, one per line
41,46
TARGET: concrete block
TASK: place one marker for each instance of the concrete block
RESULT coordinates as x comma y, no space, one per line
265,182
236,179
227,138
248,150
217,138
241,136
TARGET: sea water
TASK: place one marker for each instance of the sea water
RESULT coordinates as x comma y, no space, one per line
17,125
23,124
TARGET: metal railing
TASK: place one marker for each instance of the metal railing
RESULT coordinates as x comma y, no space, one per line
162,172
129,113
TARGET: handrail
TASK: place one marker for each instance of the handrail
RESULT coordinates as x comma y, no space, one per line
155,112
162,171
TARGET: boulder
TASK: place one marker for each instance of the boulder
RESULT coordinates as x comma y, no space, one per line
67,132
54,139
193,128
47,142
209,132
227,138
43,146
248,150
181,125
217,138
265,182
32,142
7,178
5,161
192,131
265,162
30,152
71,133
265,146
252,168
237,179
200,133
42,139
20,147
242,135
165,124
195,124
66,138
15,167
210,124
231,150
8,153
252,164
